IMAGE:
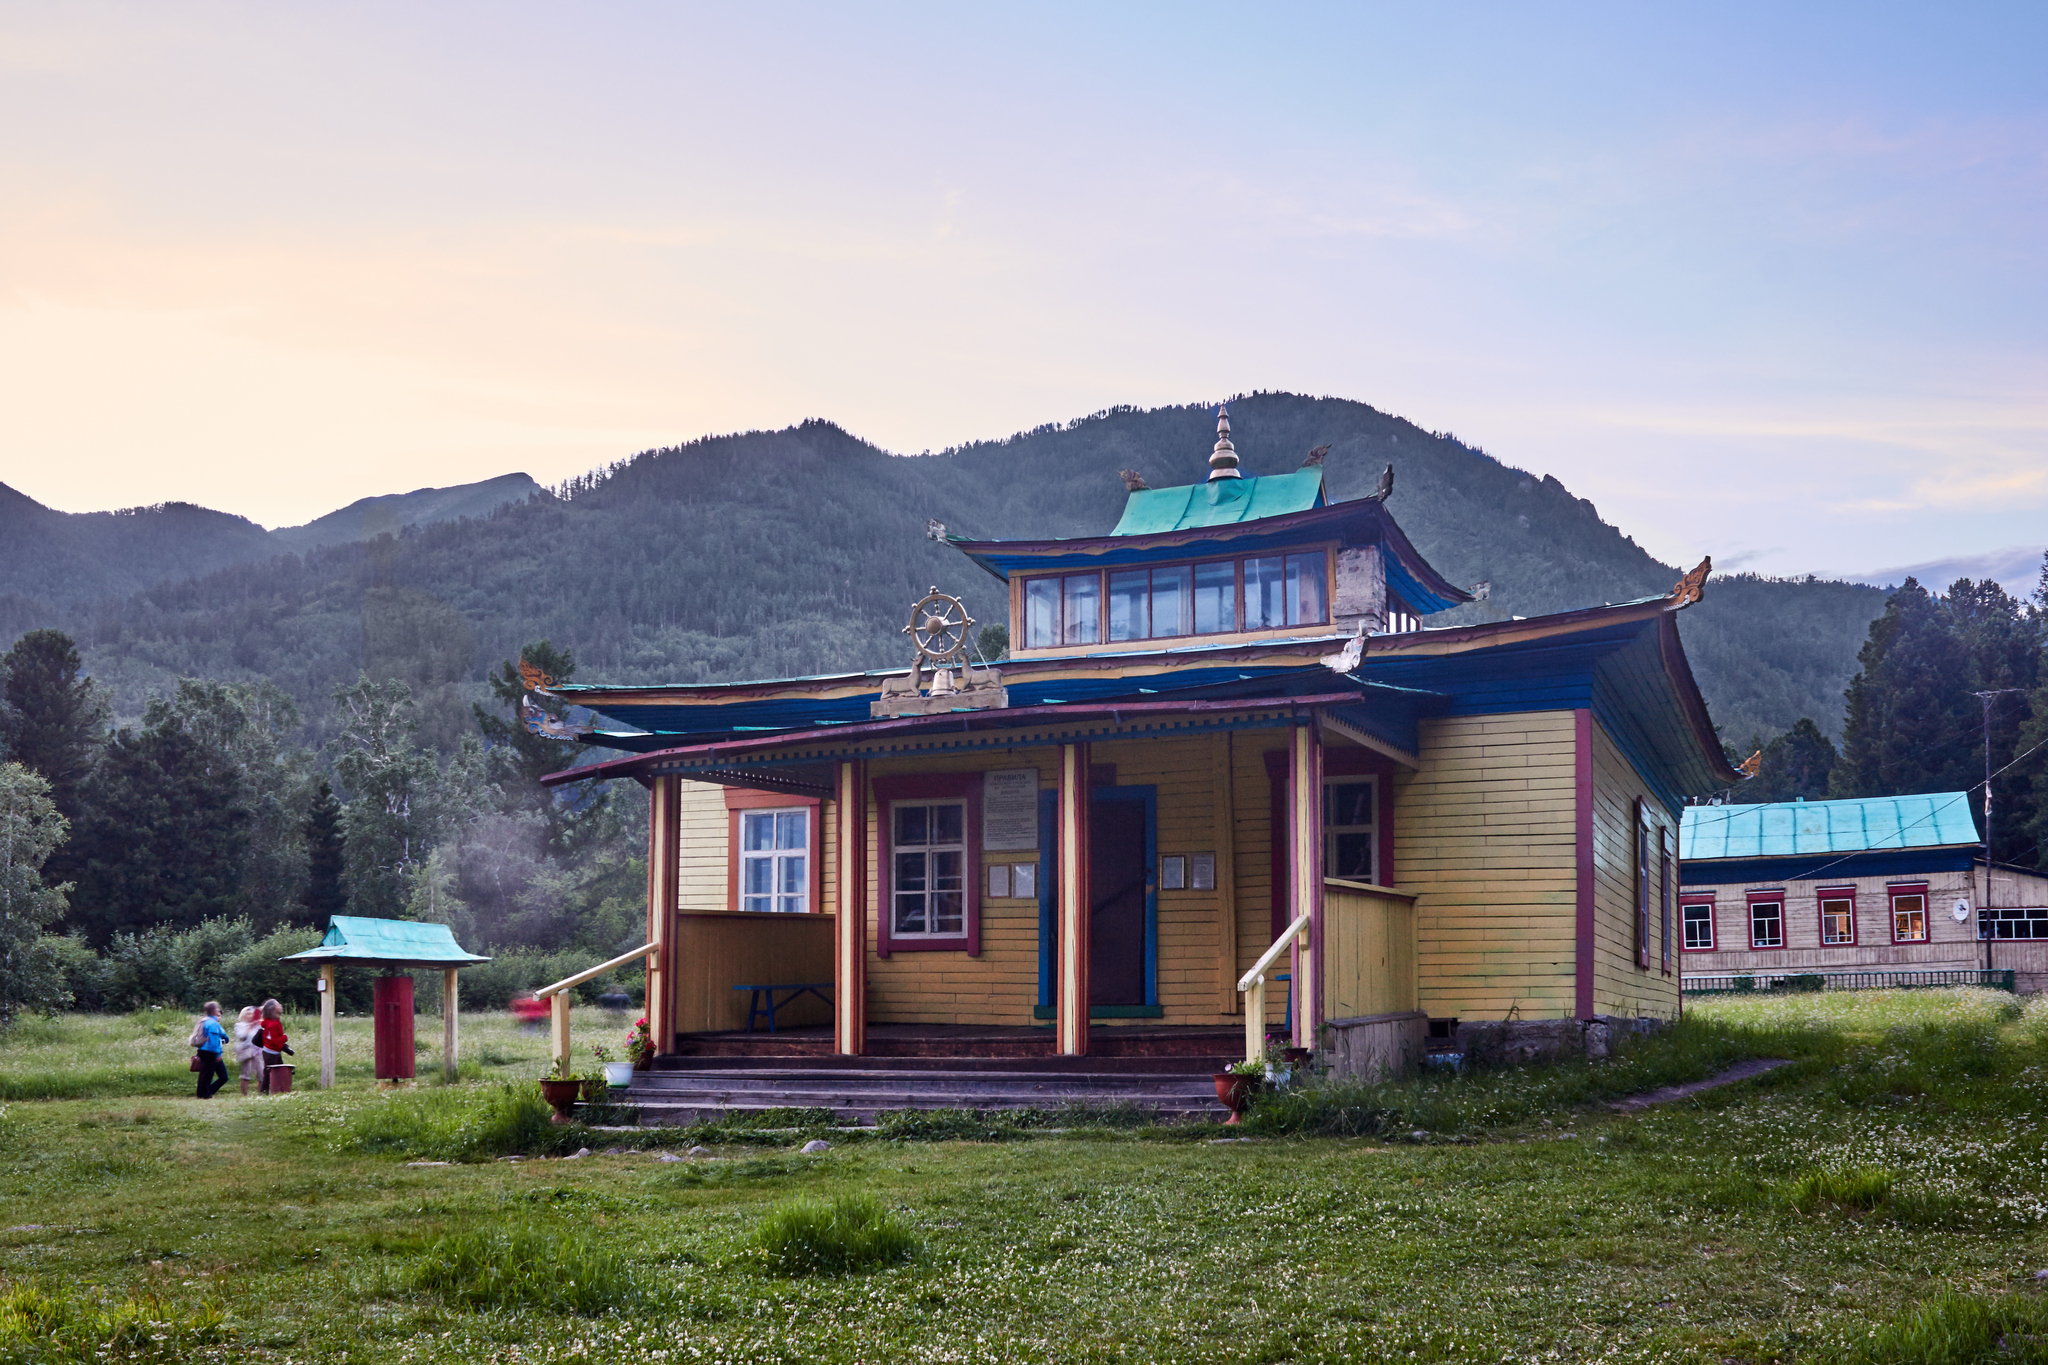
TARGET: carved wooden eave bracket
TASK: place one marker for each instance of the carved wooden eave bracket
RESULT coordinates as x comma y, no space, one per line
1691,588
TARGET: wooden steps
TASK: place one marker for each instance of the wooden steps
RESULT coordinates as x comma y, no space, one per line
866,1087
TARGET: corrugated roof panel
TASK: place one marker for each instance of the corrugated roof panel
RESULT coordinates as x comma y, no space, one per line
1785,829
1223,502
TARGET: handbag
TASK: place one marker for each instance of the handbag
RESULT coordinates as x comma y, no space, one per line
195,1061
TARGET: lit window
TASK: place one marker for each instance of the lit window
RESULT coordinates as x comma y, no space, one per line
1909,916
1767,924
1348,829
1699,925
774,868
929,884
1837,918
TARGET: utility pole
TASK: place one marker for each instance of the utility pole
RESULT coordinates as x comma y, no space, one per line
1984,925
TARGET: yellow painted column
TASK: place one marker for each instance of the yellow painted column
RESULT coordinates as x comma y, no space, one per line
559,1029
850,927
1071,999
1306,835
327,987
451,1013
664,871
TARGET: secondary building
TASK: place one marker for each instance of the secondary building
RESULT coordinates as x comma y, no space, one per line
1884,890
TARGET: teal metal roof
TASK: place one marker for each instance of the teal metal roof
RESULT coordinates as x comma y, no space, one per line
395,942
1782,829
1221,502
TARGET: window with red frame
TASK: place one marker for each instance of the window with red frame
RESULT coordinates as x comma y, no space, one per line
1767,921
1909,913
930,836
1838,918
1698,920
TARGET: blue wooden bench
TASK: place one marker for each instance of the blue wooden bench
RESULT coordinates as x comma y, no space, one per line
762,1001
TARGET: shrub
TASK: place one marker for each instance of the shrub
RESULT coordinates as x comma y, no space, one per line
1959,1329
1865,1189
813,1237
40,1327
557,1267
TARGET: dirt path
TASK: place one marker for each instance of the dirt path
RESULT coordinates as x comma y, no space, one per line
1741,1071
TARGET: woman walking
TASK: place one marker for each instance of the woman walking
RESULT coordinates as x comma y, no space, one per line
273,1040
209,1037
249,1047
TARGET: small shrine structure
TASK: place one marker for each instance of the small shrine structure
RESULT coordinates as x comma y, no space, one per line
397,946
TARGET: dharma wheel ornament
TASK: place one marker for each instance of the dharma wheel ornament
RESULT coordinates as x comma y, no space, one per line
941,631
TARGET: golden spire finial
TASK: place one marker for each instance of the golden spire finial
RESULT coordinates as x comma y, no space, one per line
1223,459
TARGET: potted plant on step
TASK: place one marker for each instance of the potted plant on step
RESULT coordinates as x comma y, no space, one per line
1236,1084
560,1088
640,1045
617,1074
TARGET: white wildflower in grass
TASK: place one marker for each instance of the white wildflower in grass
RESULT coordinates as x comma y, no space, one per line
1860,1011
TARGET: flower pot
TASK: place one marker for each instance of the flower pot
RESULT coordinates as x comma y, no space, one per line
1294,1056
618,1075
1235,1093
562,1096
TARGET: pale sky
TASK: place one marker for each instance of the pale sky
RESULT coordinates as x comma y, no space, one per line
1765,282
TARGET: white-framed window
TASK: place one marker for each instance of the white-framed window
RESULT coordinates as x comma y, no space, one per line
1767,923
1698,917
928,885
1909,914
1351,829
1838,918
775,865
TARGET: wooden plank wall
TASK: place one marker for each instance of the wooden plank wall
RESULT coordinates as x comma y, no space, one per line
1619,985
701,846
717,951
1949,944
1368,952
1484,836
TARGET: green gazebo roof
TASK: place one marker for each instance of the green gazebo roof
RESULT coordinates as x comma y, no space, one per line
1220,502
389,942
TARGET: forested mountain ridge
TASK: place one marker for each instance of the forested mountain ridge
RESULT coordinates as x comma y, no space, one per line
772,553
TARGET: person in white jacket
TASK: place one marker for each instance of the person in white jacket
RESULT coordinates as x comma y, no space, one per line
249,1047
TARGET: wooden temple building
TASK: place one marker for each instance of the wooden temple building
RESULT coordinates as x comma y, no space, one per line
1224,753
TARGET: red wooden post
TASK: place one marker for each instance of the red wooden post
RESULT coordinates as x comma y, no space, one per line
392,1025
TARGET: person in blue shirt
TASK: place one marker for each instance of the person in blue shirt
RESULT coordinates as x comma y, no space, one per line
209,1038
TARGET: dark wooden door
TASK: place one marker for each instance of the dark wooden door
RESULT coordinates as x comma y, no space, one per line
1116,895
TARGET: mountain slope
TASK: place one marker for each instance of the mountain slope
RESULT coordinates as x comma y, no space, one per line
800,550
394,511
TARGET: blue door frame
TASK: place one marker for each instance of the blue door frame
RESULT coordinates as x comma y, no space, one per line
1048,901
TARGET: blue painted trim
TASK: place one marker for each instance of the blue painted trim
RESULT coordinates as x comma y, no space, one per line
1833,867
1150,796
1048,894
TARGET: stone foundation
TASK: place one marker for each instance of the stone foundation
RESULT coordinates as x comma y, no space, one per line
1517,1042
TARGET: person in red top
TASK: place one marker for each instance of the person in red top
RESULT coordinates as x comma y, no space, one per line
274,1046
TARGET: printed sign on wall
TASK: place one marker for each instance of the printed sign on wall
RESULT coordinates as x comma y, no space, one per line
1009,809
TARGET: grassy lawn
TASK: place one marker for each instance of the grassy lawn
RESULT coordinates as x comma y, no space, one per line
1786,1218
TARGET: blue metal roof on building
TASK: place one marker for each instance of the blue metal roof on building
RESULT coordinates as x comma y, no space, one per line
1782,829
1220,502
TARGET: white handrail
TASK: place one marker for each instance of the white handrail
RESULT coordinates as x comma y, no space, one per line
559,1006
599,970
1280,944
1253,983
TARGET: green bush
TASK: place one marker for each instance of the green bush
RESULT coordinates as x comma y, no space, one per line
559,1267
1959,1329
40,1327
1865,1189
815,1237
458,1123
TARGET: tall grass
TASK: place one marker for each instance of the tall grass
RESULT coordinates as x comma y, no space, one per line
1959,1329
463,1123
1476,1100
818,1237
558,1267
41,1328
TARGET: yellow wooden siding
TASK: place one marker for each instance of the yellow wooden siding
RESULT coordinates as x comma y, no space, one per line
1368,952
1619,985
1485,837
719,950
701,845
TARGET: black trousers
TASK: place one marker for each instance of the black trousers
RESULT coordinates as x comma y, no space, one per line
213,1074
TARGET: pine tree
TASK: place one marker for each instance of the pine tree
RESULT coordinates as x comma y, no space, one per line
1796,765
165,837
520,758
1911,719
326,863
52,721
30,829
